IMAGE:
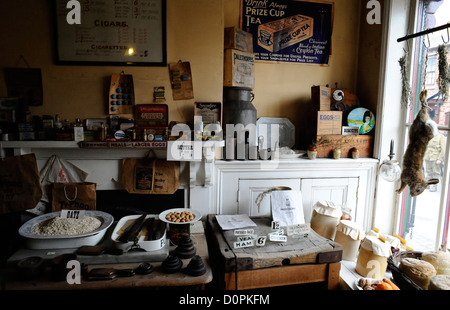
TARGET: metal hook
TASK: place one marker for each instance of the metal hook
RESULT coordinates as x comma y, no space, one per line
448,38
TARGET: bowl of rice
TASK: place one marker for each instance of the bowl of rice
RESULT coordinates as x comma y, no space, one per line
51,231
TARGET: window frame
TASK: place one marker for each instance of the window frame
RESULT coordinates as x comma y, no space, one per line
416,78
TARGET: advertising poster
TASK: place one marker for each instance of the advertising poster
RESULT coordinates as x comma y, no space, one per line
289,30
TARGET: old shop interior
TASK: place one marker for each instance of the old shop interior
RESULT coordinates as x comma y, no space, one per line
362,64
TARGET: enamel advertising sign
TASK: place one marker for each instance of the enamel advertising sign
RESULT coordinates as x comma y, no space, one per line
289,30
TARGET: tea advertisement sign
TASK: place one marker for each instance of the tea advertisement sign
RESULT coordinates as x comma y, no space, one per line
289,30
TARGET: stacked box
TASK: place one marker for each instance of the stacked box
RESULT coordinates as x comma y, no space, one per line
239,59
151,121
235,38
329,122
321,97
239,69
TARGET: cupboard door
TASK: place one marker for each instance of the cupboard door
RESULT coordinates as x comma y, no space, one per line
341,191
249,190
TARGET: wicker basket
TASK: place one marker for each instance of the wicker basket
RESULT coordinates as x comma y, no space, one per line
402,280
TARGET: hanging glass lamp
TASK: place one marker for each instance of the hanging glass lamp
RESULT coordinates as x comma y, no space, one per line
390,169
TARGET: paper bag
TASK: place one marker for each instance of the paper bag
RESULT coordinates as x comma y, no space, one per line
287,207
74,196
150,176
20,184
56,170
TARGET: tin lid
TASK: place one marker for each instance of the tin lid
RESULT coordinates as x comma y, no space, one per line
327,208
351,229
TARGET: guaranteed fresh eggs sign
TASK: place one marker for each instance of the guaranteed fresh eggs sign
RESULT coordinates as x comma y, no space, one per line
289,30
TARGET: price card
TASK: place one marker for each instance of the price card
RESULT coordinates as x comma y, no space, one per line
299,229
277,238
243,232
275,225
261,240
247,237
244,244
72,214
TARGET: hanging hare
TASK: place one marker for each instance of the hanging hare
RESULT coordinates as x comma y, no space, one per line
422,130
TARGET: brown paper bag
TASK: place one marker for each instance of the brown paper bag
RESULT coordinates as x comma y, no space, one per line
74,196
20,183
150,176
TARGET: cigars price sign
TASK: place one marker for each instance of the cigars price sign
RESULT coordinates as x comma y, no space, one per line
119,32
289,30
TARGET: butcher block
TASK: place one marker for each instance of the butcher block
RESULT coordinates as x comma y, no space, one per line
301,259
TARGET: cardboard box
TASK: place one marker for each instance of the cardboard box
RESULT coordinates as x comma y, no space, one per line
363,143
239,68
235,38
329,122
321,97
151,115
281,33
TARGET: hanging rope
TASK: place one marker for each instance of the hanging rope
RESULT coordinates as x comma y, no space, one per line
406,88
444,72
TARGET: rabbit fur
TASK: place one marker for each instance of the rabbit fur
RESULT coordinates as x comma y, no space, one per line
422,130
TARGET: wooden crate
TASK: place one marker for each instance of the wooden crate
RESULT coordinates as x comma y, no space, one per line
310,259
363,143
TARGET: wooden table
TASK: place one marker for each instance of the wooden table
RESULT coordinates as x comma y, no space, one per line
157,279
308,259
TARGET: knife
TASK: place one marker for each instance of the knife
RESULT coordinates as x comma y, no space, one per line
133,230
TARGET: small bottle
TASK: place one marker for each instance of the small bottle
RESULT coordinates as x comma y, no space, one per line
145,137
102,132
78,130
57,124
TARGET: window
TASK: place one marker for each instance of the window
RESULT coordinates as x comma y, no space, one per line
424,220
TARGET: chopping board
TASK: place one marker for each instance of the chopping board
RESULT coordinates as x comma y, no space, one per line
308,249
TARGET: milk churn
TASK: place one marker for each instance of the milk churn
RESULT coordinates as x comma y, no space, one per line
239,112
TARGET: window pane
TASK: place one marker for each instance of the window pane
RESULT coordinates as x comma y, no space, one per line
420,215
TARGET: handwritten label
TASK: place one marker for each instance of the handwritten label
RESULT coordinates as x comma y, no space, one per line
298,229
72,214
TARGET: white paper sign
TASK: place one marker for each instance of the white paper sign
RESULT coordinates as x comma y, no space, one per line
235,221
287,207
298,229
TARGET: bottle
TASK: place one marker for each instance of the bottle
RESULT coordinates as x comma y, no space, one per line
145,137
57,128
102,132
78,130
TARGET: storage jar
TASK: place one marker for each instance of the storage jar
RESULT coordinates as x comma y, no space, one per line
325,218
349,234
372,258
